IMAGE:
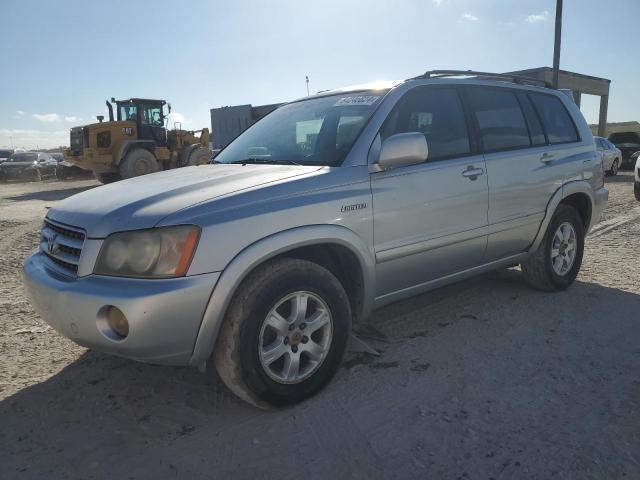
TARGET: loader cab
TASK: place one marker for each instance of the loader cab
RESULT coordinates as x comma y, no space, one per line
149,118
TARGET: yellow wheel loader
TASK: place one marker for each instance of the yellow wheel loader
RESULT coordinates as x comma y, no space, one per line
137,142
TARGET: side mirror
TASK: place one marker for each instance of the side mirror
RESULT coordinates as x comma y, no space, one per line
403,149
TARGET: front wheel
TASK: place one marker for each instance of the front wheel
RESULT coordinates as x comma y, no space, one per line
285,333
556,263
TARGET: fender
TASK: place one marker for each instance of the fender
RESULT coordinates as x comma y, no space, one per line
262,250
127,145
578,186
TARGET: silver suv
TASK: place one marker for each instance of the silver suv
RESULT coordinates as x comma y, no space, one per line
329,207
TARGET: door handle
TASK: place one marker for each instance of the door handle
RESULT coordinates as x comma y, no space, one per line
546,158
472,172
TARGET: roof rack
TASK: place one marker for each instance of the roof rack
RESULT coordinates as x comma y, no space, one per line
490,76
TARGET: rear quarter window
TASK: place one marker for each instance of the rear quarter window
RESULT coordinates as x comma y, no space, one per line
555,118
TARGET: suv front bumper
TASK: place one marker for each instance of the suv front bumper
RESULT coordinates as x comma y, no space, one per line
164,315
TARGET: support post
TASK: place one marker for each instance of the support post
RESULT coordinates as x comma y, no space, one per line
577,97
602,121
556,45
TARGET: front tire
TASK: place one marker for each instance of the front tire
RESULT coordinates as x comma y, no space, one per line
138,162
556,263
284,334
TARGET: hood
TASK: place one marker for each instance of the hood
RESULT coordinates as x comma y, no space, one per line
142,202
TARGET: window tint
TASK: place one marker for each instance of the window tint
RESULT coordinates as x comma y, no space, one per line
500,118
533,122
128,112
437,114
555,118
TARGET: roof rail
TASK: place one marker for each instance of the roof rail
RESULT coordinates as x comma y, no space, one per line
487,75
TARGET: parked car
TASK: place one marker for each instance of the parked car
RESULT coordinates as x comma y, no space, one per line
611,155
66,170
5,154
628,143
33,166
263,260
636,174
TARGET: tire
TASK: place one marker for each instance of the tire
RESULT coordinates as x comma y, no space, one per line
200,156
239,350
614,168
35,176
109,177
539,271
636,190
138,162
195,155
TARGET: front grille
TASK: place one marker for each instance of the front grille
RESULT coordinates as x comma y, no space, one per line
76,141
62,245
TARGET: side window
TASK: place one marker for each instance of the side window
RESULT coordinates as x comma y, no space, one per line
152,115
533,122
500,119
436,113
555,118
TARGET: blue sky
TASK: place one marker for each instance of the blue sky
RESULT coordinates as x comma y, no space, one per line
62,59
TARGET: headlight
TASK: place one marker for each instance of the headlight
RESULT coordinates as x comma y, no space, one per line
155,253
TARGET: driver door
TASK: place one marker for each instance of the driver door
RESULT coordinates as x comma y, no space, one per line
430,219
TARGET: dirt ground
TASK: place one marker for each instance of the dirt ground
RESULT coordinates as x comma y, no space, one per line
486,379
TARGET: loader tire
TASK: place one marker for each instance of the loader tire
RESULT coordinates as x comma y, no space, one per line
138,162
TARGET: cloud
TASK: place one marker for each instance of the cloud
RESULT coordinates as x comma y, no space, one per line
24,138
47,117
467,17
438,2
178,117
20,112
72,119
538,17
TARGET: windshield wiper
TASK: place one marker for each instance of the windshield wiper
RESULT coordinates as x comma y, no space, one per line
266,161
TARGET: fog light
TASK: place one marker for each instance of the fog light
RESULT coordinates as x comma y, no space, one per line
117,321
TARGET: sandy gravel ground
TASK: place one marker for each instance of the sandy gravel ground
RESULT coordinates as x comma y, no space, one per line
486,379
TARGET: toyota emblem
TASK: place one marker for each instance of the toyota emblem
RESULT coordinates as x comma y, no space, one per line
52,245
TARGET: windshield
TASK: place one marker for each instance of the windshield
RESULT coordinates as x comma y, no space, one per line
319,131
128,112
23,157
625,137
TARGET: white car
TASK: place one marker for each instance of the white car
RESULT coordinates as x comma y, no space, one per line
636,184
611,155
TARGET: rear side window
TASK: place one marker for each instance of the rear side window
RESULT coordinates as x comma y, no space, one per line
436,113
500,118
555,118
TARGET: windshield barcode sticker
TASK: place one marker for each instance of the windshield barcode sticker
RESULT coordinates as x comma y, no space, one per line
357,100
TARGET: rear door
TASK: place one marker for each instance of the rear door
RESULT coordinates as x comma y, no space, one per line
430,219
521,172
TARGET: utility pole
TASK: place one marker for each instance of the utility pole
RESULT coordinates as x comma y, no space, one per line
11,140
556,45
307,79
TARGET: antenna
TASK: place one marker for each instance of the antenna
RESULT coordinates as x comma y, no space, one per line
307,79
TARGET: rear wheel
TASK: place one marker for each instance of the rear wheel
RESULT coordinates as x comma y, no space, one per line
614,168
285,333
109,177
556,263
138,162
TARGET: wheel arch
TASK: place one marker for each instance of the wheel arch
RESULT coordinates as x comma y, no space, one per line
335,247
578,194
